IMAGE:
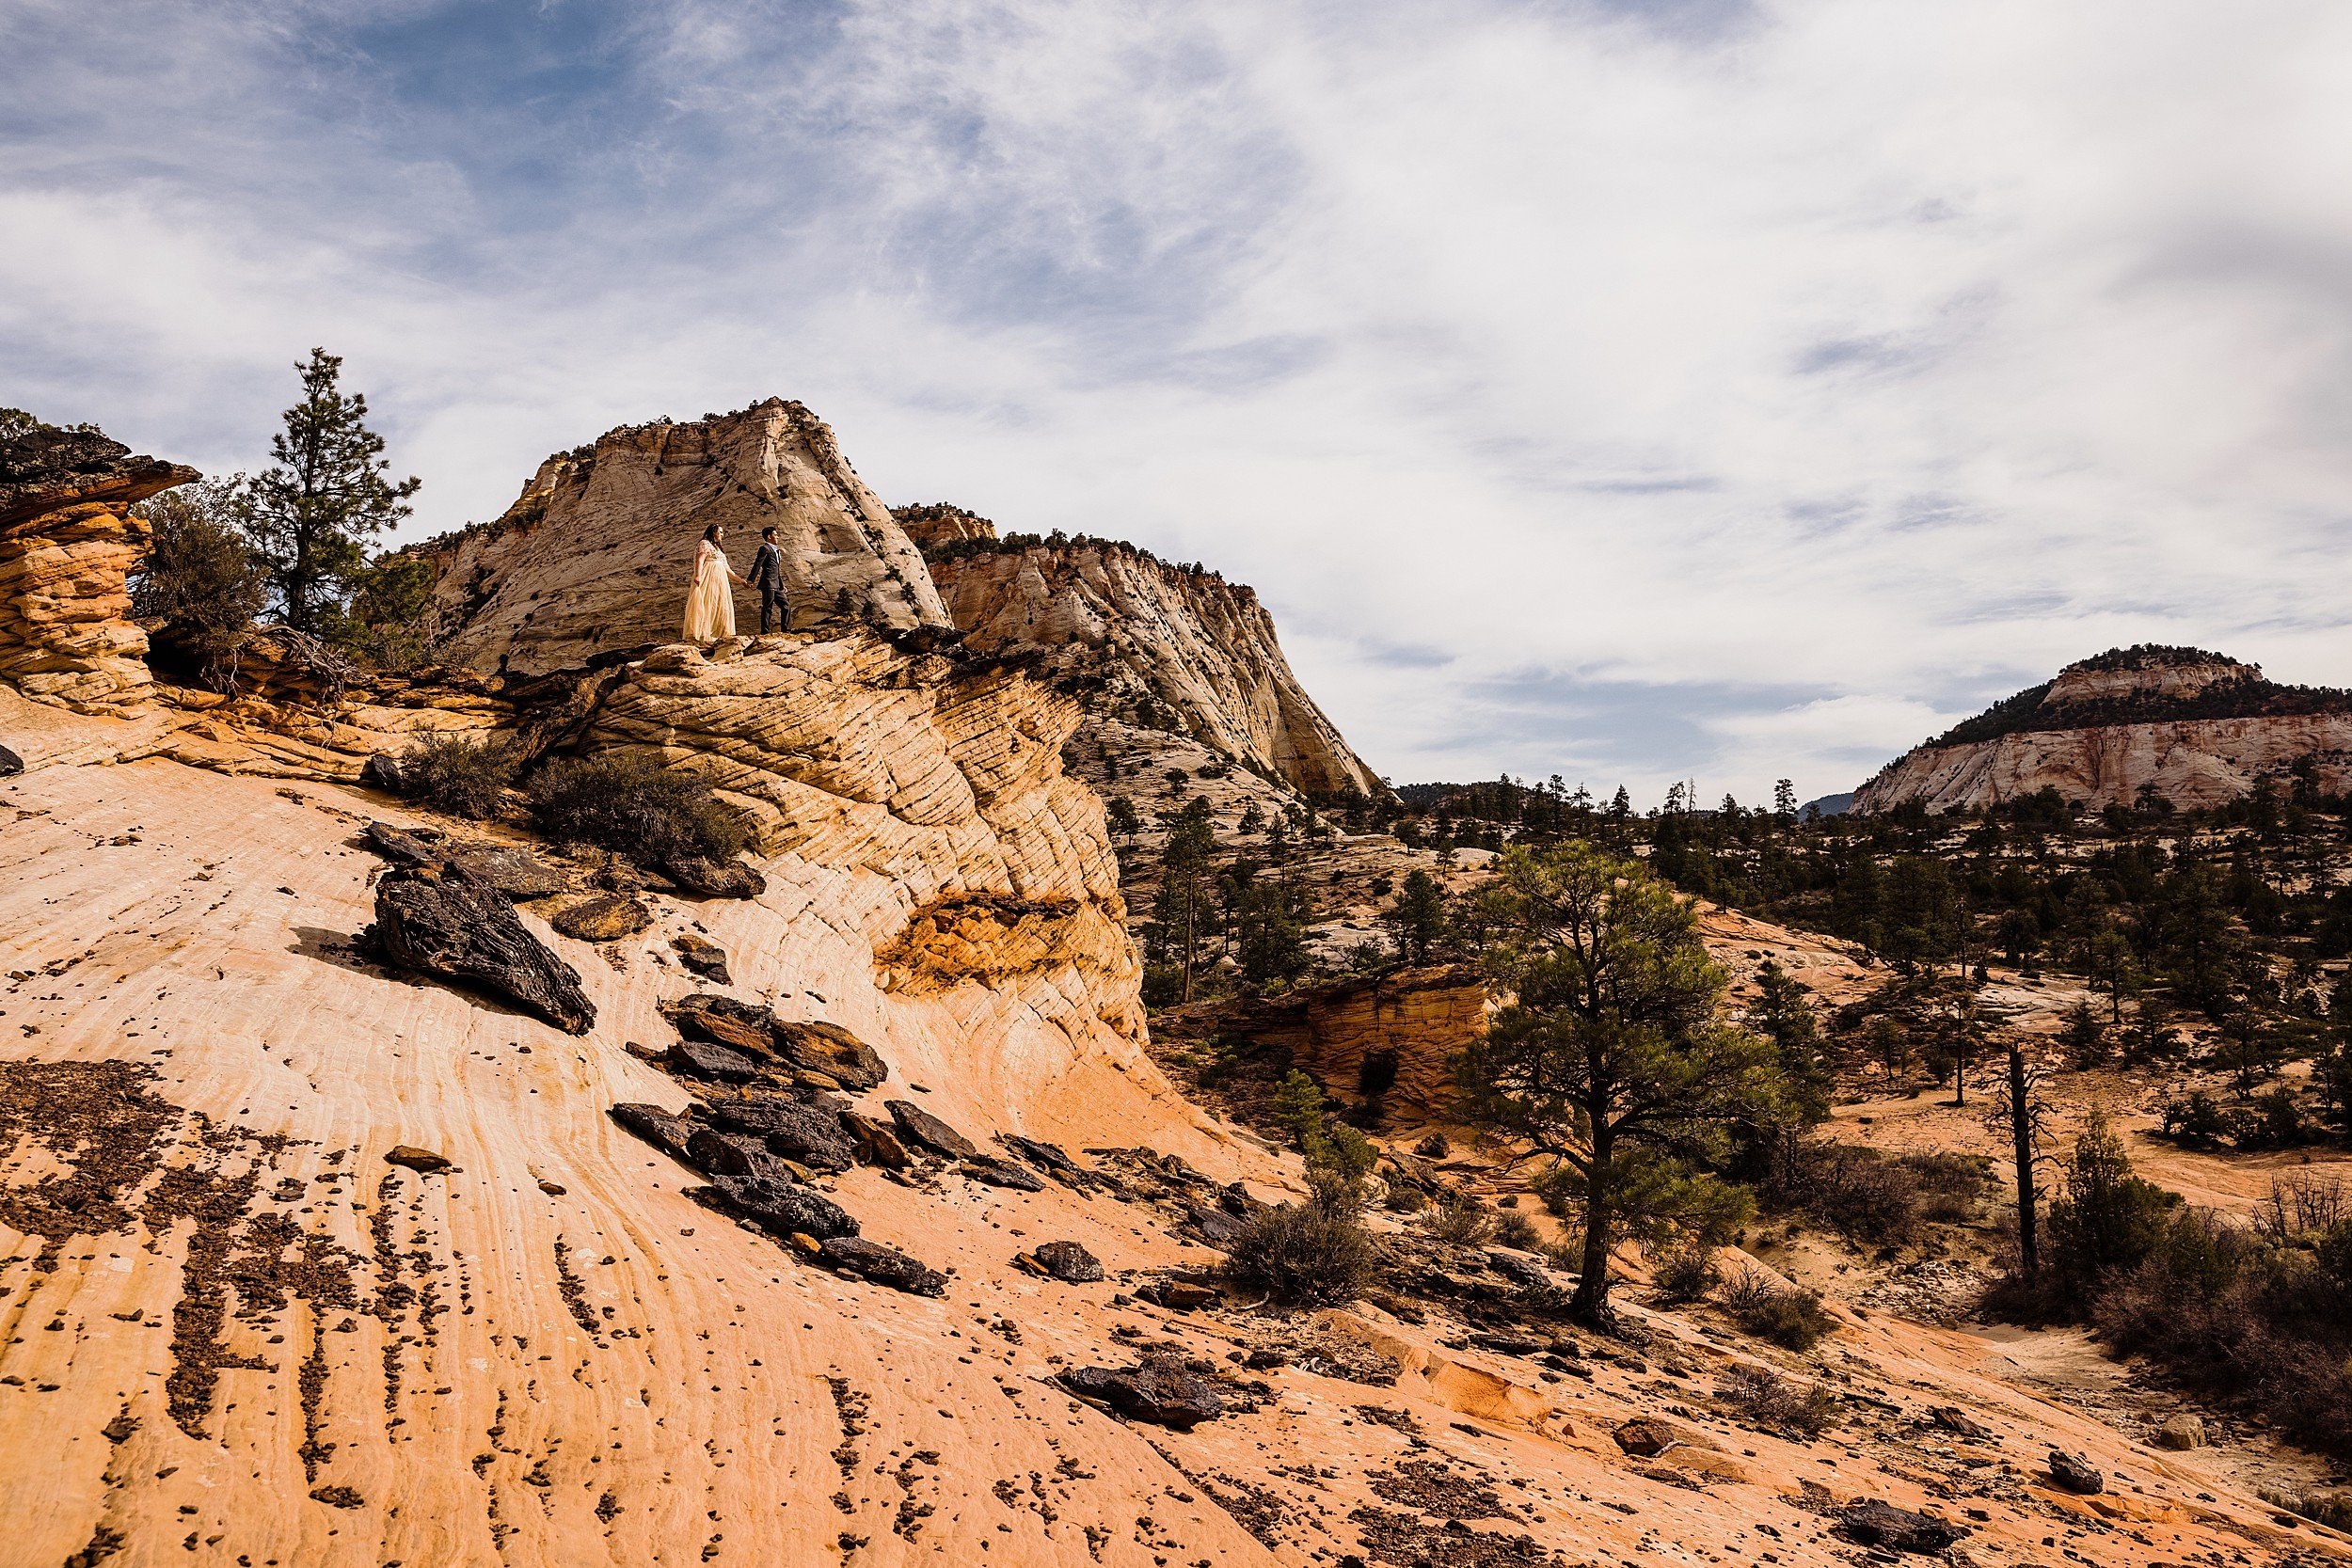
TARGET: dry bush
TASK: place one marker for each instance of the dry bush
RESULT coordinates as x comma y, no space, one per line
631,804
1515,1229
1764,1399
1303,1255
1793,1320
464,778
1457,1219
1688,1273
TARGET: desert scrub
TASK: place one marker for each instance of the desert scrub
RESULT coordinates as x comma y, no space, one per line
1688,1273
1303,1255
1764,1399
464,778
1456,1218
1793,1320
628,803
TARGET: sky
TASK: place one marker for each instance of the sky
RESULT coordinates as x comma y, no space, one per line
1722,389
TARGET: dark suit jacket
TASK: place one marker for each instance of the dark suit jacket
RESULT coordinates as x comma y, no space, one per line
767,567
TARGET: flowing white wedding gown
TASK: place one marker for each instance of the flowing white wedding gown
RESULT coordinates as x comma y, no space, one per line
710,603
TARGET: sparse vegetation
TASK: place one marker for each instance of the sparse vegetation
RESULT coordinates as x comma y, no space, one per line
1303,1255
1793,1320
460,776
1764,1399
627,802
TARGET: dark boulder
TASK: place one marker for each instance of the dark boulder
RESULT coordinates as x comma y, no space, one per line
382,771
715,878
1067,1262
920,1126
1216,1227
1045,1156
808,1134
829,1048
1519,1268
703,955
422,1161
665,1130
782,1208
1952,1419
516,873
724,1020
877,1145
882,1265
10,763
713,1062
608,917
1872,1523
1177,1295
1164,1392
405,846
2075,1473
715,1153
447,924
1002,1172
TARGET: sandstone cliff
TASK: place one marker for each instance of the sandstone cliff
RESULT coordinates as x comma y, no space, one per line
1156,645
2192,727
597,553
67,542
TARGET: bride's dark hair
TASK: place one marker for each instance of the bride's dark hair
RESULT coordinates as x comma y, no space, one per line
710,534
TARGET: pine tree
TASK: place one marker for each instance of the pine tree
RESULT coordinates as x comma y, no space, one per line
311,513
1418,916
1612,1060
1187,863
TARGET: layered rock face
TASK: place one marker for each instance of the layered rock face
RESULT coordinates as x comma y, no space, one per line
68,545
597,553
1150,637
2193,728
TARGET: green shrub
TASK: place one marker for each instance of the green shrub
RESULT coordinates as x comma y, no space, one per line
1793,1320
1457,1219
1515,1229
200,578
1303,1255
1688,1273
464,778
629,803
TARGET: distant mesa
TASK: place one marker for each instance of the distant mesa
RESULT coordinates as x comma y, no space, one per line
2190,726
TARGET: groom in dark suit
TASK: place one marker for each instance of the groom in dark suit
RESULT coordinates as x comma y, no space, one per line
767,576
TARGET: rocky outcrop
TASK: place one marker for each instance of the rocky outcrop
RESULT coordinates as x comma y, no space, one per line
1155,645
1391,1036
2190,726
597,553
68,546
935,524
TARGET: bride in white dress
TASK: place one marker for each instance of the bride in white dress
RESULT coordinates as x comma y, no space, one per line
710,603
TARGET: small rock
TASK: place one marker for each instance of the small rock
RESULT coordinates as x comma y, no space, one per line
882,1265
1520,1268
553,1189
724,1020
382,771
714,1062
2182,1432
715,878
608,918
921,1127
1646,1437
1163,1392
1872,1523
1177,1295
2074,1473
1508,1344
10,763
704,957
1068,1261
1954,1420
422,1161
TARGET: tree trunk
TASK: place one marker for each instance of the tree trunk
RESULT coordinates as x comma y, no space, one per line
1590,1304
2021,1137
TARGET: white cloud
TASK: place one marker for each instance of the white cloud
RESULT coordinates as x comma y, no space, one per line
1725,390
